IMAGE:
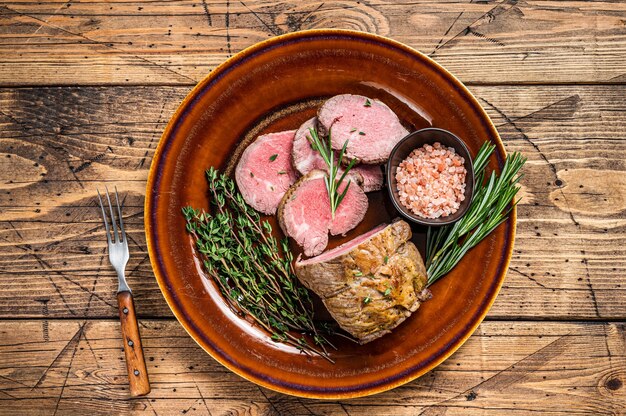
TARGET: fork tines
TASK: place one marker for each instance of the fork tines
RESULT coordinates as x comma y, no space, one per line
114,223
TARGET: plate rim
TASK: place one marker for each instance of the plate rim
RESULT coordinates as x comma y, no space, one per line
358,391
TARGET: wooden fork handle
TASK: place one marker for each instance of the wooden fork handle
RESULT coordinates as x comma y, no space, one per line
135,363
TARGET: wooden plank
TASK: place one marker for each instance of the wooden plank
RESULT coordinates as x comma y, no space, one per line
155,42
512,367
571,220
569,260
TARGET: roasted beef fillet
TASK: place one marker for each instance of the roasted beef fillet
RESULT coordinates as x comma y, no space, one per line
371,128
305,159
264,172
304,212
370,284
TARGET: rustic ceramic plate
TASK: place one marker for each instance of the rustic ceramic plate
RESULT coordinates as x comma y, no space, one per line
275,85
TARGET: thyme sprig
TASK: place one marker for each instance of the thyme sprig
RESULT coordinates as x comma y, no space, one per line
332,183
446,246
253,271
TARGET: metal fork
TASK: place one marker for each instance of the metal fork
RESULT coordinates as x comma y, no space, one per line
118,256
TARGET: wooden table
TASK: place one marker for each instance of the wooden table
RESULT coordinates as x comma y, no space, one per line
86,89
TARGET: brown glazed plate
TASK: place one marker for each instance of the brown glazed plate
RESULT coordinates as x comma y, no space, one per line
276,85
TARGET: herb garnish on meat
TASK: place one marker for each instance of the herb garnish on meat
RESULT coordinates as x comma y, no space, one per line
332,183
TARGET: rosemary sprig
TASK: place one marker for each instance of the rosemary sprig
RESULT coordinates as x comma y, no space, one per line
445,246
332,183
252,270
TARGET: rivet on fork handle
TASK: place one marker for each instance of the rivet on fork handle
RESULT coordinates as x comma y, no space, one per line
135,363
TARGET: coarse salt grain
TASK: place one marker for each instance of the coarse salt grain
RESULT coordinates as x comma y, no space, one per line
431,181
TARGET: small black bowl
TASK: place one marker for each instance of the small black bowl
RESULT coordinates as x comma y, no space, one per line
402,150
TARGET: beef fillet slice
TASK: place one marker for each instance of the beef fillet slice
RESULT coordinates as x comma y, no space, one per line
372,177
264,172
370,284
305,159
371,128
304,212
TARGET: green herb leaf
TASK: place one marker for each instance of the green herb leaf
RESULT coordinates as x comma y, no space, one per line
352,130
368,103
282,172
386,260
367,300
252,269
251,175
339,198
358,273
328,155
362,133
387,292
493,201
273,157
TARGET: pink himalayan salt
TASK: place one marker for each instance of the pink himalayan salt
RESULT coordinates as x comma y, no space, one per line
431,181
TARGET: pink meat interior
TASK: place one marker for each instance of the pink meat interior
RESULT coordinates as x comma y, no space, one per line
305,159
345,247
371,130
264,172
350,211
308,213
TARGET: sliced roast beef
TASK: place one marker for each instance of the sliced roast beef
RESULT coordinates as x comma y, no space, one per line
304,212
350,211
371,128
305,159
370,284
372,177
264,172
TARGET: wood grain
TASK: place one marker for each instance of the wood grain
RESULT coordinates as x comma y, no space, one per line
161,42
506,367
550,74
133,352
57,145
